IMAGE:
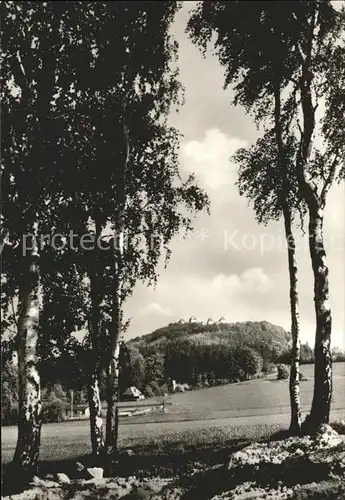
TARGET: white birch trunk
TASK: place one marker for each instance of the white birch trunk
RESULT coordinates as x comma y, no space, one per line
96,421
295,423
321,405
93,391
26,455
112,422
320,410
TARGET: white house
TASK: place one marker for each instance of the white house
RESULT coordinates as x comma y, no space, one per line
132,394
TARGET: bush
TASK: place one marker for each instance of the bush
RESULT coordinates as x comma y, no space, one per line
283,372
246,363
268,367
222,381
53,411
302,377
156,388
339,426
211,379
285,357
9,415
148,391
164,389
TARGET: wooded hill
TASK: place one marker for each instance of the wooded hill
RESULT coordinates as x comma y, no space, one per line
207,354
252,334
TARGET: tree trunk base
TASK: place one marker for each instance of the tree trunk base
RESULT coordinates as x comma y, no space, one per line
110,464
295,429
25,460
96,421
312,424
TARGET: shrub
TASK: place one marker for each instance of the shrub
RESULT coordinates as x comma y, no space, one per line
285,357
283,372
53,411
9,415
211,379
222,381
248,362
241,375
268,367
339,426
164,389
302,377
148,391
156,388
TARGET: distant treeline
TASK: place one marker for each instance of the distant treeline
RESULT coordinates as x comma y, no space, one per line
307,355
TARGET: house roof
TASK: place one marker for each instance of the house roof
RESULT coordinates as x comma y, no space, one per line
132,391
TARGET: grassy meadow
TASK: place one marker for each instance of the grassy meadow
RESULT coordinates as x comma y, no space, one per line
196,419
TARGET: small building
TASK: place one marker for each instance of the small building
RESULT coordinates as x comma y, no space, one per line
178,387
132,394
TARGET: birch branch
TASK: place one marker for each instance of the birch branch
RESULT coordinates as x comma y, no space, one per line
329,180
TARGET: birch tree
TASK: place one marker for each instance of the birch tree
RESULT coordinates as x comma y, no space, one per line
22,154
321,80
308,55
127,188
152,201
35,89
270,186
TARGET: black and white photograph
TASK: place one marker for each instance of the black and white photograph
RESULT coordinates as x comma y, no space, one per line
172,250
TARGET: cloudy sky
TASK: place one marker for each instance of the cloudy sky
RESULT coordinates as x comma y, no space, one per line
231,266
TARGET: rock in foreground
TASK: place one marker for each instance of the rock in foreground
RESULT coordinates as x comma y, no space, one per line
293,468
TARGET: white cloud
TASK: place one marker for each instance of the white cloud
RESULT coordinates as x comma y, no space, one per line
253,280
236,297
154,308
209,158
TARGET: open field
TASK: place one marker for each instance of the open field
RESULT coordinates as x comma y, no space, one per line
265,396
247,409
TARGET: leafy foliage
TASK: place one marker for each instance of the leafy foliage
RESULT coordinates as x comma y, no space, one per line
255,45
249,333
53,411
262,181
267,45
210,354
282,372
132,368
9,391
73,76
296,52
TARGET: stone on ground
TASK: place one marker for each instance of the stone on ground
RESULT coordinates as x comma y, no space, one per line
62,478
327,437
95,472
43,483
